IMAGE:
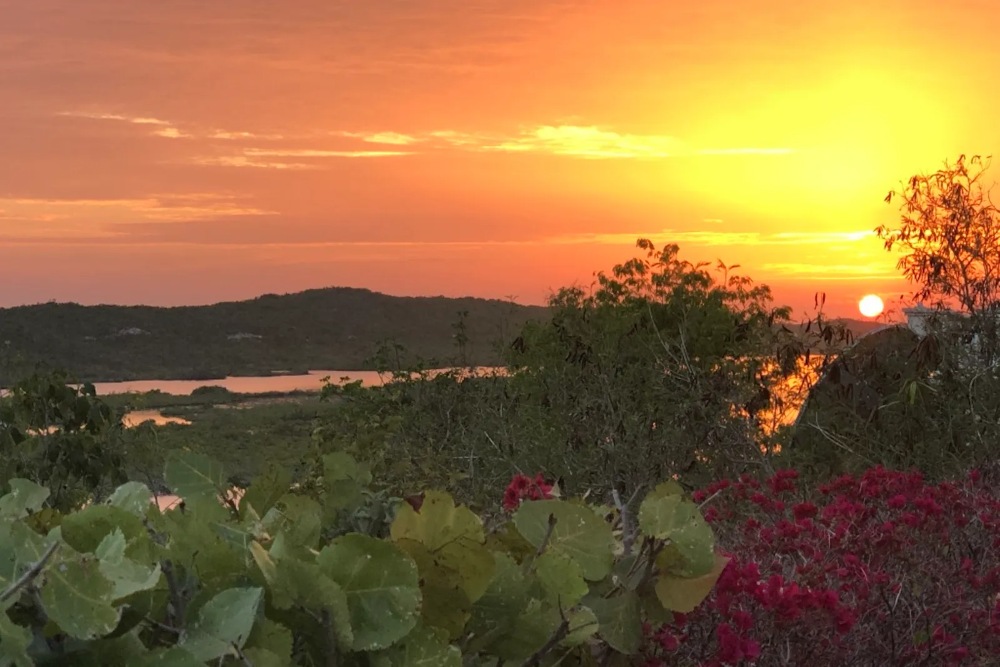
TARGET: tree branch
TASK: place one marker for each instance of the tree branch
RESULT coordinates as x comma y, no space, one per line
31,573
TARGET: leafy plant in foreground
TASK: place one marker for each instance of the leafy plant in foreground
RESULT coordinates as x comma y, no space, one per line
277,577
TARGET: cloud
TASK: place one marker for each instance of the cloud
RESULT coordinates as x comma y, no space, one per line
318,153
244,161
712,238
391,138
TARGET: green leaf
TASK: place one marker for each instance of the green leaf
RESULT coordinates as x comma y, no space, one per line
452,535
578,534
301,519
672,518
266,489
261,657
126,575
133,497
273,637
620,621
382,589
74,593
504,599
583,625
561,578
14,641
344,479
84,530
530,631
25,497
420,648
191,474
171,657
685,594
223,623
445,605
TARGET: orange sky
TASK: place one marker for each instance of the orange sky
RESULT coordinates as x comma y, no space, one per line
191,151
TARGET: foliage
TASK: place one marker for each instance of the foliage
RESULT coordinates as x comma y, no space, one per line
272,579
949,234
660,369
63,437
879,569
334,328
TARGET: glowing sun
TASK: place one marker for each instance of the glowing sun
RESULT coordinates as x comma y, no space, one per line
871,305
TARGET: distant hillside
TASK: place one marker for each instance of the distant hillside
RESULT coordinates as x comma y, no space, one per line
334,328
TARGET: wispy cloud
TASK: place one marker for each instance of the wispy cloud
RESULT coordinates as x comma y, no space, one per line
243,161
824,272
391,138
714,238
318,153
160,208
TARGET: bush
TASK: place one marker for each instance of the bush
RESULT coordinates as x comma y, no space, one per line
879,569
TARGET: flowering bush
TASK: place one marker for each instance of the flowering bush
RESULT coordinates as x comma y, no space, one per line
880,569
522,487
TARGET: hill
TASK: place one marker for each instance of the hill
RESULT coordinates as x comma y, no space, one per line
333,328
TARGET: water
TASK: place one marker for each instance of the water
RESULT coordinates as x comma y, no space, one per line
311,381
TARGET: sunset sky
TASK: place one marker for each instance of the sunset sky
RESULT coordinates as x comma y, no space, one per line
185,151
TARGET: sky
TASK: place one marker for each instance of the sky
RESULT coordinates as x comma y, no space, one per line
188,152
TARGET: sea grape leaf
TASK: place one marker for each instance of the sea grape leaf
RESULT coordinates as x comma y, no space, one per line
381,583
14,641
672,518
578,533
261,657
445,603
420,648
619,619
292,581
273,637
452,536
133,497
504,600
126,575
191,475
266,489
223,623
583,625
682,594
344,479
301,519
74,593
531,629
84,530
561,578
24,498
174,656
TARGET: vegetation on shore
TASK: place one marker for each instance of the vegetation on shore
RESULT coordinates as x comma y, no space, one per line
323,329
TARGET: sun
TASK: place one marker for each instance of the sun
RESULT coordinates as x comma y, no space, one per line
871,305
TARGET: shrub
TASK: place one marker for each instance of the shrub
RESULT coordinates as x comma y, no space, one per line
879,569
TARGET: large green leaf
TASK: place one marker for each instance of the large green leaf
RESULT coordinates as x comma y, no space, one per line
578,533
74,593
679,521
561,578
685,594
170,657
420,648
14,641
453,538
190,474
25,497
272,637
299,517
381,584
133,497
224,623
266,489
126,575
619,619
504,600
84,530
343,480
446,604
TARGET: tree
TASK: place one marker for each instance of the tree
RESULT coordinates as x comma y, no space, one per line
63,437
949,234
661,368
